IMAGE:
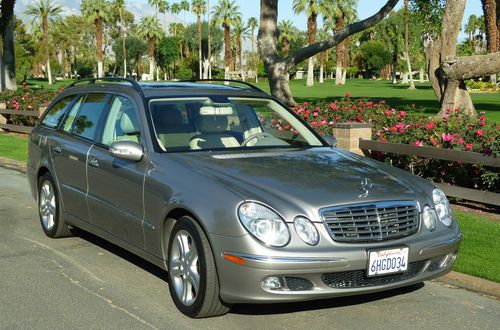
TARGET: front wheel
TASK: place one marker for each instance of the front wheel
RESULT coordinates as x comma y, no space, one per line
49,208
192,275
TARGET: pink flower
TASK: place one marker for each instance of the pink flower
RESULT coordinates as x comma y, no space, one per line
446,116
469,146
305,104
379,134
479,132
383,139
461,141
315,114
447,137
334,106
418,143
347,94
430,126
402,114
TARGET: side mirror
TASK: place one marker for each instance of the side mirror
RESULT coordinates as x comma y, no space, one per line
330,140
126,150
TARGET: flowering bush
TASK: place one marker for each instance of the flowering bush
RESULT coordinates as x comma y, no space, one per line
454,130
482,86
26,99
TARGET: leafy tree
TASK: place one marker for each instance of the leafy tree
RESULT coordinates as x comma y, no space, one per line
119,5
46,12
374,56
136,48
167,52
25,51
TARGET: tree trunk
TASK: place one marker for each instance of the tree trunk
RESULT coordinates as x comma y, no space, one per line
209,43
98,37
448,73
200,72
254,62
151,47
227,45
321,67
490,18
123,45
407,47
278,67
8,62
311,37
421,75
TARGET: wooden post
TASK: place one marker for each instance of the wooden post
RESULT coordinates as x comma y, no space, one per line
41,110
348,135
3,106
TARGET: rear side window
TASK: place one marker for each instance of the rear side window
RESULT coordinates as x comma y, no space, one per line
84,117
56,113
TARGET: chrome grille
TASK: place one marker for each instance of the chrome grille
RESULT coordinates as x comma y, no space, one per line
371,221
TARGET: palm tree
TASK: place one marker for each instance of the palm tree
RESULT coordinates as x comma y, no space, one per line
323,35
241,33
252,24
119,5
97,10
199,8
164,8
175,9
336,15
45,12
184,4
407,47
150,28
311,8
209,42
288,33
156,4
226,12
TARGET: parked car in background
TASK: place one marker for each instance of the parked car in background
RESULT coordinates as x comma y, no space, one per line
233,194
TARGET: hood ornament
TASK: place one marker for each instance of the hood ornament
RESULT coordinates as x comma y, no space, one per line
366,185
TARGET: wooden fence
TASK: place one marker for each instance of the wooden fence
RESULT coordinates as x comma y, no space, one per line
5,118
367,146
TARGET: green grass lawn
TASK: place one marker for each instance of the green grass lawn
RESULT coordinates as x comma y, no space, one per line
398,96
14,146
479,253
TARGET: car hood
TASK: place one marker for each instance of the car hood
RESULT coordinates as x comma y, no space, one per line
310,179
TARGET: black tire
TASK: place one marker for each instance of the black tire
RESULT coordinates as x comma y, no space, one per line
206,302
55,226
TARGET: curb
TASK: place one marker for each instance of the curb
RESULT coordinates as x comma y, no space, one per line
471,283
460,280
13,165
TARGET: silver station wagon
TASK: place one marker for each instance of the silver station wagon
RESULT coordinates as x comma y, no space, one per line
233,194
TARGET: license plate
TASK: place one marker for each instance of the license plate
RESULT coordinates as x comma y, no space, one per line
387,261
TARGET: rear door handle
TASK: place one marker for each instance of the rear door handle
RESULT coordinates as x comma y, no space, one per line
93,162
57,150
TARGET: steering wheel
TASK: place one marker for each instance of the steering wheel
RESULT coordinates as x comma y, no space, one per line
256,136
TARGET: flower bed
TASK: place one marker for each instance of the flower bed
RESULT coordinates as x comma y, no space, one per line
453,131
27,99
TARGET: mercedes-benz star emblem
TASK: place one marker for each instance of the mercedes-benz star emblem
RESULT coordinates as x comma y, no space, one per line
366,185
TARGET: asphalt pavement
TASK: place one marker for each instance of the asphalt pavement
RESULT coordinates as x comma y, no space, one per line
85,282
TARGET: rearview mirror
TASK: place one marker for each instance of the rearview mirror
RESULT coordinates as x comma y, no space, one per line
330,140
126,150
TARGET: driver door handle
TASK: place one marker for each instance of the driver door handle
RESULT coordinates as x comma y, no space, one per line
93,162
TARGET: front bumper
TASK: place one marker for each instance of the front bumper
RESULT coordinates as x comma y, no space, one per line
326,274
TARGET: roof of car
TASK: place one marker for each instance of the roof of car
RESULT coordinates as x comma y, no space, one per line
177,89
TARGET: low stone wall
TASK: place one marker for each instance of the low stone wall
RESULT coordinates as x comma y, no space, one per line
348,135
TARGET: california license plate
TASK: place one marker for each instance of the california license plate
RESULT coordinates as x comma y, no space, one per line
387,261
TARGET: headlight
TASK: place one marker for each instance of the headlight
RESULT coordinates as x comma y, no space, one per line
429,217
265,224
306,230
442,207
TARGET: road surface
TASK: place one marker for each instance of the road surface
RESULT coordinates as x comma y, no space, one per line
85,282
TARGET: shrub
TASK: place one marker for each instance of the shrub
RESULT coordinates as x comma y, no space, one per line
454,131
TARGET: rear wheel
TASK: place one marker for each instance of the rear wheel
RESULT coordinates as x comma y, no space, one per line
49,208
192,275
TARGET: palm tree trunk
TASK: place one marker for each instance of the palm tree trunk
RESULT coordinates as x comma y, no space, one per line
151,47
199,48
123,45
209,43
253,57
311,37
407,47
227,47
321,67
98,36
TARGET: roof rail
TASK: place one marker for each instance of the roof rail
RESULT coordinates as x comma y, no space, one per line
133,83
255,88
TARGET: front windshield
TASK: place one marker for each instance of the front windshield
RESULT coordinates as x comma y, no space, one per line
218,123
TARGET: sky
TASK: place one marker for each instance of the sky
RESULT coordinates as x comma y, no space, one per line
248,8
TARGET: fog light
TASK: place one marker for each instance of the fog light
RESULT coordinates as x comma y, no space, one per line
273,283
448,260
